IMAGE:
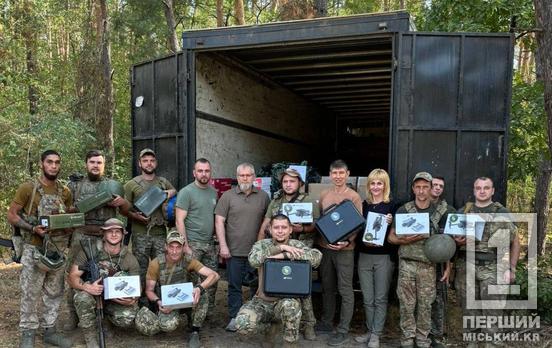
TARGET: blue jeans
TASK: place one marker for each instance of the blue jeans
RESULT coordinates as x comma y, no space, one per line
236,269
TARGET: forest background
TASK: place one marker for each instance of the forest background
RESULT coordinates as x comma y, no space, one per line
64,76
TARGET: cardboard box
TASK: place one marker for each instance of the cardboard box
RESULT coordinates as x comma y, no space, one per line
121,287
409,224
177,295
361,186
95,201
376,229
351,181
222,185
298,213
302,171
59,221
263,184
316,189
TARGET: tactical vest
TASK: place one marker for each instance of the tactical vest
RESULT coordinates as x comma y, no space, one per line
489,230
173,275
49,204
157,218
281,196
85,188
415,251
109,265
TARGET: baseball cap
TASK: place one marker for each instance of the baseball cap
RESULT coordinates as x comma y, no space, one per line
291,172
147,151
422,175
112,224
174,236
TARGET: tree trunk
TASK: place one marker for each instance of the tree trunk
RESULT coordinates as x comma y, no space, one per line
320,8
171,25
239,12
28,32
220,13
104,119
543,15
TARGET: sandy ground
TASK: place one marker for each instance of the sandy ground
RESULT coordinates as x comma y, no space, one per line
213,333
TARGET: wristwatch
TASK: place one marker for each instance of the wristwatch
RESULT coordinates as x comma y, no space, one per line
201,289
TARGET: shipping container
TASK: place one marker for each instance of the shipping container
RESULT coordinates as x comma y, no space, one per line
367,88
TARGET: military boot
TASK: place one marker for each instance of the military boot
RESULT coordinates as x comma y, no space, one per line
91,338
309,333
27,339
71,322
56,339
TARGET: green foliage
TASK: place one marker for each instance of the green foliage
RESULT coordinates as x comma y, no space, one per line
544,285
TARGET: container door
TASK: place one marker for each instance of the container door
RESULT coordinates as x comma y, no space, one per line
159,111
451,104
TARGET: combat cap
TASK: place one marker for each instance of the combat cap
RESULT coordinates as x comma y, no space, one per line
422,175
174,236
112,224
293,173
147,151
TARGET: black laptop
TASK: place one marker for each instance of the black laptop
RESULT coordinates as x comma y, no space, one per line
340,222
287,278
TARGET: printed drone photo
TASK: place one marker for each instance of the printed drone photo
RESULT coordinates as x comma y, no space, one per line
177,295
121,287
376,226
298,213
456,224
408,224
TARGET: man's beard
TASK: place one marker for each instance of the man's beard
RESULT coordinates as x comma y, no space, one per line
148,172
245,186
94,177
50,176
203,181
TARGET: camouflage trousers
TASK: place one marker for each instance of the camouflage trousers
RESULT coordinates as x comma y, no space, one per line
485,275
74,250
206,253
149,323
39,289
416,292
145,248
438,308
307,313
256,316
119,315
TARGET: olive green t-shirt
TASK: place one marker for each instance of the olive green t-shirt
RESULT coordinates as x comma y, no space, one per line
134,189
154,268
199,203
126,263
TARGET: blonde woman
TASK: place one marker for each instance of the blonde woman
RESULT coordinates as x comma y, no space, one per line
376,263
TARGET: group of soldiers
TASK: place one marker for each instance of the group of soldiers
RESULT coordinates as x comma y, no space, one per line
249,228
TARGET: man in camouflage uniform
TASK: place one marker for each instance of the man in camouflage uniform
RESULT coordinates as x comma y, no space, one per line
40,285
175,267
83,188
438,306
195,220
257,314
148,234
416,282
113,259
486,266
291,182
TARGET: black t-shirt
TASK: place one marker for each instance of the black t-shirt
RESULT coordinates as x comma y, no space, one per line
387,248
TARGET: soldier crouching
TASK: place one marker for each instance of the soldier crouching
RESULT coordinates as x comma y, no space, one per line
112,259
174,267
257,315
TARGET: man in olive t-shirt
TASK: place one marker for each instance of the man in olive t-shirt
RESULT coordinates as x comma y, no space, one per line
195,220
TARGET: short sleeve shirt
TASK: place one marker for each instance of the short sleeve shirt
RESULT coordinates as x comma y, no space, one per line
153,268
244,215
199,203
127,263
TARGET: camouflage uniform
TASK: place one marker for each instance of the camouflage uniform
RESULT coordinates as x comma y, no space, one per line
485,264
149,324
257,314
416,282
85,304
275,207
37,285
94,219
207,254
148,241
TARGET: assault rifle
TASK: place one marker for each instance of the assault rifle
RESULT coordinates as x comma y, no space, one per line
93,274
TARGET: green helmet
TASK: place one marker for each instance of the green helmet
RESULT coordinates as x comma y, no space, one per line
439,248
47,259
112,186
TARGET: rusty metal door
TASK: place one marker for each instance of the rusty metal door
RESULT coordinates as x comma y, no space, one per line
159,109
451,105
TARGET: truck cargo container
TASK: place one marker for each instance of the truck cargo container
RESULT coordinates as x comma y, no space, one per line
366,88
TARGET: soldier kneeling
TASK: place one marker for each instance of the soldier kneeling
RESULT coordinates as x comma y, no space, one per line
174,267
257,314
112,259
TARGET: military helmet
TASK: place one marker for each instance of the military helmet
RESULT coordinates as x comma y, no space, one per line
47,259
439,248
113,187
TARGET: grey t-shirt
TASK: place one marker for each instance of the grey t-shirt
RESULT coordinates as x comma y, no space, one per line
199,204
244,215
